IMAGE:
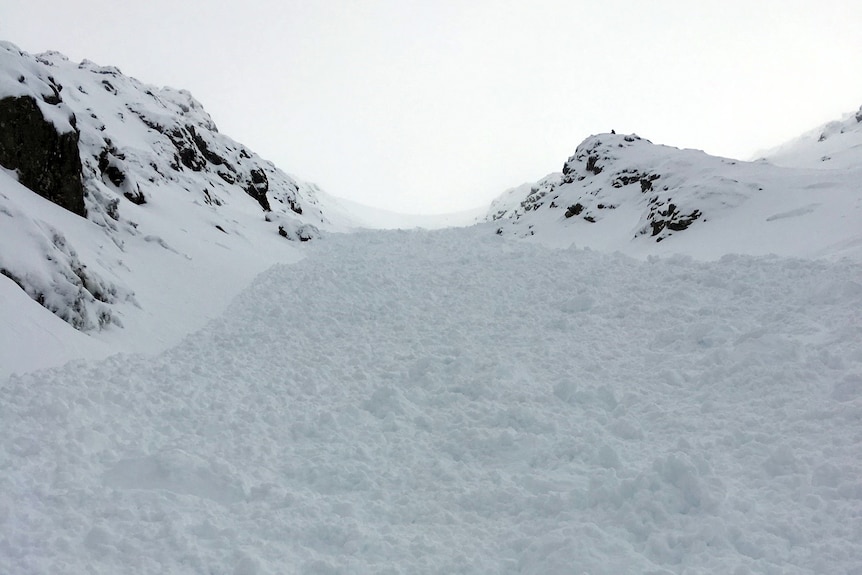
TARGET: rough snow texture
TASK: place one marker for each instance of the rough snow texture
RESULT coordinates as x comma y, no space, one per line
624,193
454,402
142,149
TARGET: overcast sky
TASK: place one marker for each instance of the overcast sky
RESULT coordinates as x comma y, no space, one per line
427,106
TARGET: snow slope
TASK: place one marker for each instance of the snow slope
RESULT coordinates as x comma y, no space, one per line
621,192
833,146
184,272
175,227
455,402
180,218
171,204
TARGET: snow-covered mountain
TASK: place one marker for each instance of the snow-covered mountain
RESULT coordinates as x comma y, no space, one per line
836,145
621,192
393,401
136,193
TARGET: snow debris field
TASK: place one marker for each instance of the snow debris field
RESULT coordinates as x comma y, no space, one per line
456,402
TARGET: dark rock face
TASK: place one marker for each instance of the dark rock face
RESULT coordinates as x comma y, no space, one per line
114,174
47,162
574,210
136,197
668,215
196,154
592,165
188,152
257,186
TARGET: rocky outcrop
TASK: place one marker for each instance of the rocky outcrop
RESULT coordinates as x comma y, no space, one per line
46,159
669,189
257,186
666,215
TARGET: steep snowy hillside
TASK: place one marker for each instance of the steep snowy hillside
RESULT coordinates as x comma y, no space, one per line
622,192
122,205
836,145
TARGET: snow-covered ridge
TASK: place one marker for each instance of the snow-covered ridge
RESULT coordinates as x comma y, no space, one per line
150,164
835,145
623,192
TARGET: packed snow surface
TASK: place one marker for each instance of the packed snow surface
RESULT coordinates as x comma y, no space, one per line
456,402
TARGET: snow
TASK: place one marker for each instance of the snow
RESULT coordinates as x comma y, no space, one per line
833,146
347,214
131,275
33,338
536,394
19,76
456,402
140,144
625,187
177,270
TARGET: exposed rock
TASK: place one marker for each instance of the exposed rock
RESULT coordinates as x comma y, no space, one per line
136,197
47,161
257,186
574,210
109,169
592,165
187,151
205,150
667,215
646,185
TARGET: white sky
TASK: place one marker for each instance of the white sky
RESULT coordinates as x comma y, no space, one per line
425,106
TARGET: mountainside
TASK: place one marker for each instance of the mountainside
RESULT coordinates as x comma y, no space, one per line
624,193
835,145
130,179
